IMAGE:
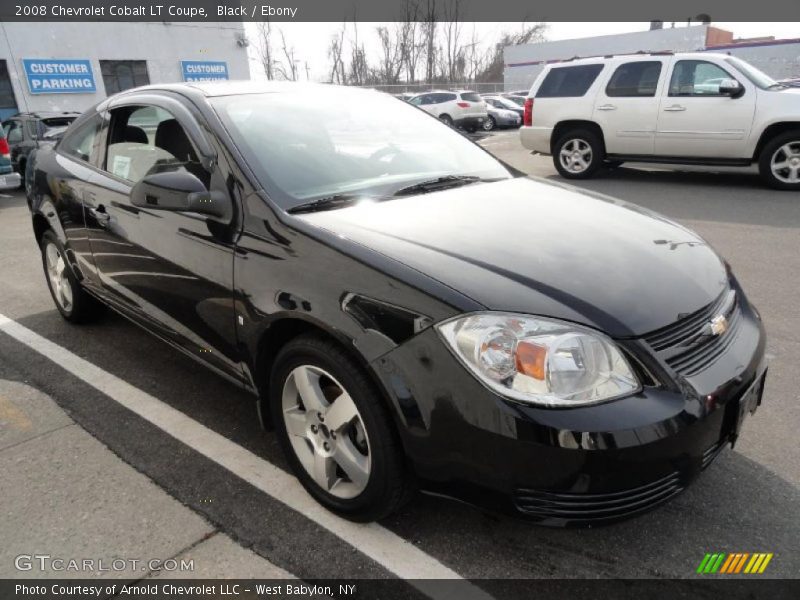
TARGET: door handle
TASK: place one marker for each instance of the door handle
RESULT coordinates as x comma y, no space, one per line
100,215
675,108
607,107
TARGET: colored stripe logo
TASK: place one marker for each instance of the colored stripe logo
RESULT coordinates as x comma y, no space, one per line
734,563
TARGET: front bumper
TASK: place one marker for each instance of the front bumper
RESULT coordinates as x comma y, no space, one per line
10,181
582,466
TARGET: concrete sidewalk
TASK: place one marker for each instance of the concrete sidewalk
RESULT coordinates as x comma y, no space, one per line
67,496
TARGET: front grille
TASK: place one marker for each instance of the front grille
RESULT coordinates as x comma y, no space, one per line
574,507
687,345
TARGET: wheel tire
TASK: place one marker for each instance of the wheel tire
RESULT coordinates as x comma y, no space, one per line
777,151
387,485
589,147
489,124
446,119
80,306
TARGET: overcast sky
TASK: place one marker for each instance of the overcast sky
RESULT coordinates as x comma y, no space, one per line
310,40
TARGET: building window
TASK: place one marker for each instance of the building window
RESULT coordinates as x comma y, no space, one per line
120,75
7,100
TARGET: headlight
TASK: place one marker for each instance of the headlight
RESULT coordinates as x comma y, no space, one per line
538,360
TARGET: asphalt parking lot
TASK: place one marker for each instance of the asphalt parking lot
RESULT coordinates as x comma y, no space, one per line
746,502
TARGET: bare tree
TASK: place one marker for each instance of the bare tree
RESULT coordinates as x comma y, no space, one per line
338,74
359,67
287,69
429,36
264,48
528,34
411,35
392,49
452,59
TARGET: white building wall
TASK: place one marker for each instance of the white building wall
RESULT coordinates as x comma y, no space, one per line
525,61
162,45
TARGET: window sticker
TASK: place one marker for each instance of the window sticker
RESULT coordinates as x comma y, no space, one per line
121,167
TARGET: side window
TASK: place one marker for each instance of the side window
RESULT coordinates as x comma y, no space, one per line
634,79
148,139
417,101
79,142
568,82
14,132
696,78
447,97
33,129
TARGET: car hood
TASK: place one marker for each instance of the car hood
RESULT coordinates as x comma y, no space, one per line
533,247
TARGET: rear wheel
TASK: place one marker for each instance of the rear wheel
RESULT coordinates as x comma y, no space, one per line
779,163
71,300
578,154
446,119
335,431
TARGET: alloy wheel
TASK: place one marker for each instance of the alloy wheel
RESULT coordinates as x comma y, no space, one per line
576,155
57,274
785,163
326,431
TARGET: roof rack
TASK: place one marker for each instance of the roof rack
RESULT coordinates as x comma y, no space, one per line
637,53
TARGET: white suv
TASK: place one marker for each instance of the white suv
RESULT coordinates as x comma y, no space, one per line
694,108
460,108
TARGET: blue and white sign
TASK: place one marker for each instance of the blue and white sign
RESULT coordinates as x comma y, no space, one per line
59,76
204,70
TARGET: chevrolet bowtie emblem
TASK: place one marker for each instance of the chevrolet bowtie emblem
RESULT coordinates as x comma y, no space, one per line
719,325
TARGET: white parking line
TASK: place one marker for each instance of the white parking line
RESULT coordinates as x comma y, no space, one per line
384,547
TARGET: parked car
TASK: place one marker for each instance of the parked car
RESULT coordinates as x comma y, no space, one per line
504,103
517,99
9,179
405,308
459,108
791,82
406,96
50,137
691,108
500,117
24,130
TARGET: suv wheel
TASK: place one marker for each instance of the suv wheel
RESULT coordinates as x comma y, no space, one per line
447,119
578,154
335,431
779,163
72,301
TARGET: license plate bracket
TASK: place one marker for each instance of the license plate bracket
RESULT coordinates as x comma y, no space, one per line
748,403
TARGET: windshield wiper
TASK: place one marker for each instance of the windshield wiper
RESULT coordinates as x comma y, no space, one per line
327,203
777,84
440,183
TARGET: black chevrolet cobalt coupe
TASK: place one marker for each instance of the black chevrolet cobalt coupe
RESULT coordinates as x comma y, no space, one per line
408,311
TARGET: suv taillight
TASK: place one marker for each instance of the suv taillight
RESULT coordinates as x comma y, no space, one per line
463,104
4,149
527,117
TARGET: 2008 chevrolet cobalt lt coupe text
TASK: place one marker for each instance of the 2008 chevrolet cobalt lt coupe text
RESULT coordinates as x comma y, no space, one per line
408,310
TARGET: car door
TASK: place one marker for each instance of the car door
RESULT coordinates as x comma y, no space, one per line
696,120
424,102
171,271
626,106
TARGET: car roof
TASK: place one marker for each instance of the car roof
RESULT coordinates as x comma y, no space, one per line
212,89
609,58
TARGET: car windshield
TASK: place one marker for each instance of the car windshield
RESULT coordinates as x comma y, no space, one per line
756,77
305,146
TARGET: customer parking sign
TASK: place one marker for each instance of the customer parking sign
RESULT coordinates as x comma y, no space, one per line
59,76
204,70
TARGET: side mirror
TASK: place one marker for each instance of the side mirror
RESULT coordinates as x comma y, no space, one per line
179,191
731,87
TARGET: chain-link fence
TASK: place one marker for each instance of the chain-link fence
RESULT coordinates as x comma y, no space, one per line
401,88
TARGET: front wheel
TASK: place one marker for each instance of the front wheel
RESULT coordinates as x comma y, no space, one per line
489,124
779,163
72,301
578,154
335,431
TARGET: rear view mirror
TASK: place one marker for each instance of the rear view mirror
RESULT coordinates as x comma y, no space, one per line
178,191
731,87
